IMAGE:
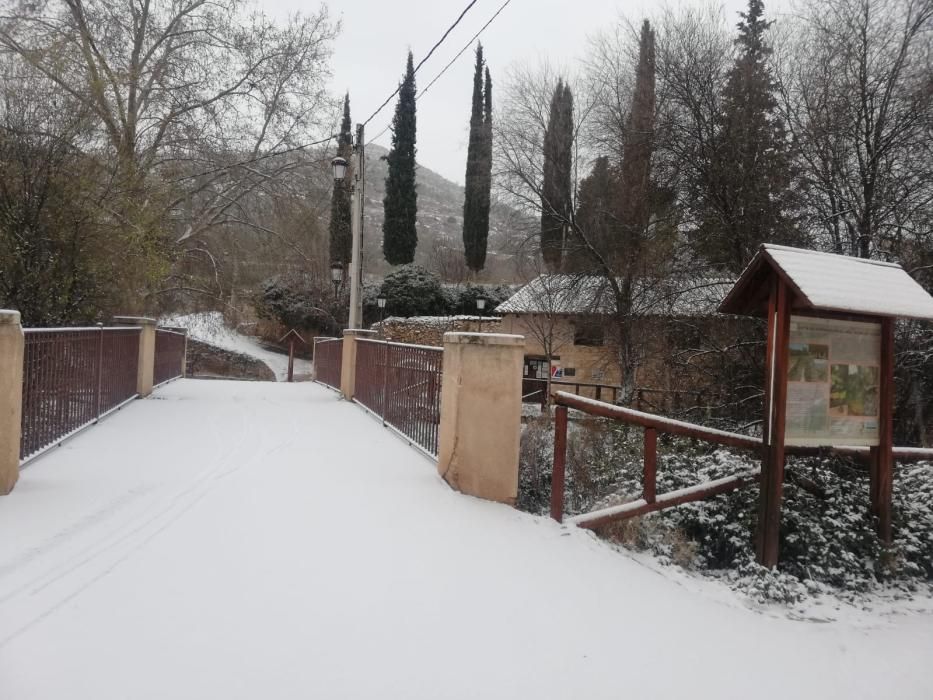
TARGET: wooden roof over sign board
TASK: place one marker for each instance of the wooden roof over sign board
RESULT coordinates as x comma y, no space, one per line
828,282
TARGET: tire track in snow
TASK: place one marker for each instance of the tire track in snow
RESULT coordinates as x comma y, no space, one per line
180,504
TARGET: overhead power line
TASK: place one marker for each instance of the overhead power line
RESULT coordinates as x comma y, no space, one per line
449,64
421,62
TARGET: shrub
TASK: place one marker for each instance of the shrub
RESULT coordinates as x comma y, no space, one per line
828,538
297,301
413,291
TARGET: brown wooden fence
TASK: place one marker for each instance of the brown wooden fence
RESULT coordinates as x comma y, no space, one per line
402,384
72,377
328,361
650,500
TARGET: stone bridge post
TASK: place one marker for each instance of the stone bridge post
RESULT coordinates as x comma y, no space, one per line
348,360
146,367
481,413
11,398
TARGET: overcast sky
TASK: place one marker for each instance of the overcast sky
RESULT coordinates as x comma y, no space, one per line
369,56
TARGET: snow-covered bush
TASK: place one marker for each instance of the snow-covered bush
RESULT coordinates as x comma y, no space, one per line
828,538
413,291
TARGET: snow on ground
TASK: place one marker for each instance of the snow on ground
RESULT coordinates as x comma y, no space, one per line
255,540
209,327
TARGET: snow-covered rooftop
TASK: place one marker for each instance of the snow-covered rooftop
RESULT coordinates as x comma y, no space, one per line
590,294
828,282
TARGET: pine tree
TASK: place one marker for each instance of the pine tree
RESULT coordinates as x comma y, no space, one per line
634,199
556,188
340,234
400,205
745,194
479,169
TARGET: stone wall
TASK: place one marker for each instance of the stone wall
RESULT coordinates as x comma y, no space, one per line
208,361
429,330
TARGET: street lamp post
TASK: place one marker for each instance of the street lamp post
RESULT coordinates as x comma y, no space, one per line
381,303
358,164
336,276
480,308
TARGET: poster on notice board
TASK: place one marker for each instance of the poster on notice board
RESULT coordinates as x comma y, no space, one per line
832,382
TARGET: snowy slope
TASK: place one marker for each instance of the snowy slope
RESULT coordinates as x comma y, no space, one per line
272,541
208,327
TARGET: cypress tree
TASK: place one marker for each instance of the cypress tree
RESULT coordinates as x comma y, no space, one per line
745,194
556,192
635,188
340,235
400,205
487,158
478,170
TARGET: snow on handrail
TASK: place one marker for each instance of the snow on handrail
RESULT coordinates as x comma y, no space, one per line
392,343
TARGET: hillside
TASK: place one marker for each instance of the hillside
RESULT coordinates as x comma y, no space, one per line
440,226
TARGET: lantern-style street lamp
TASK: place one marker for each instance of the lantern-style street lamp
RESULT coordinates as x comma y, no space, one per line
381,303
336,276
340,168
480,308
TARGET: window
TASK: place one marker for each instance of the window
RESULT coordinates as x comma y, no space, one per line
570,372
589,333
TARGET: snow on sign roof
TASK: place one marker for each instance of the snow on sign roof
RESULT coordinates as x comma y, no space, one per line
828,282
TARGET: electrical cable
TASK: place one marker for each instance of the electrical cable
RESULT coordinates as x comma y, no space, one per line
421,62
449,64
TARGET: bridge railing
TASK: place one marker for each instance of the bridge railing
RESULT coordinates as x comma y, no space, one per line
401,383
169,359
71,378
328,359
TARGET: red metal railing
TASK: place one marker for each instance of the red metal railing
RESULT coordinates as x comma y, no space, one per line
71,377
169,355
402,384
328,360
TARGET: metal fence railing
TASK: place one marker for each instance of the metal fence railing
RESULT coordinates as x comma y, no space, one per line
72,377
169,355
328,360
402,384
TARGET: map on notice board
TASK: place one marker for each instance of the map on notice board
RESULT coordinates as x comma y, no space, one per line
832,382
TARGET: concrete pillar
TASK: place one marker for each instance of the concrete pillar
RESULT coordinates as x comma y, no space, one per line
146,367
481,414
11,398
348,360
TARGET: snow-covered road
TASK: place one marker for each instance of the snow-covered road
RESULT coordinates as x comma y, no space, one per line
257,540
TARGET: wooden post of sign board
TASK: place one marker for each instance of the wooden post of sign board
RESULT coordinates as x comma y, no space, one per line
772,473
885,459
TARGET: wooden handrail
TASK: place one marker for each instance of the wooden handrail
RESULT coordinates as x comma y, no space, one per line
653,424
659,423
720,437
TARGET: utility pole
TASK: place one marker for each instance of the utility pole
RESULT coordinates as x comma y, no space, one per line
355,319
357,183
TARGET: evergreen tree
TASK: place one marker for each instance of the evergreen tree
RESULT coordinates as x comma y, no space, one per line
745,194
635,191
340,234
556,188
595,218
399,234
479,169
